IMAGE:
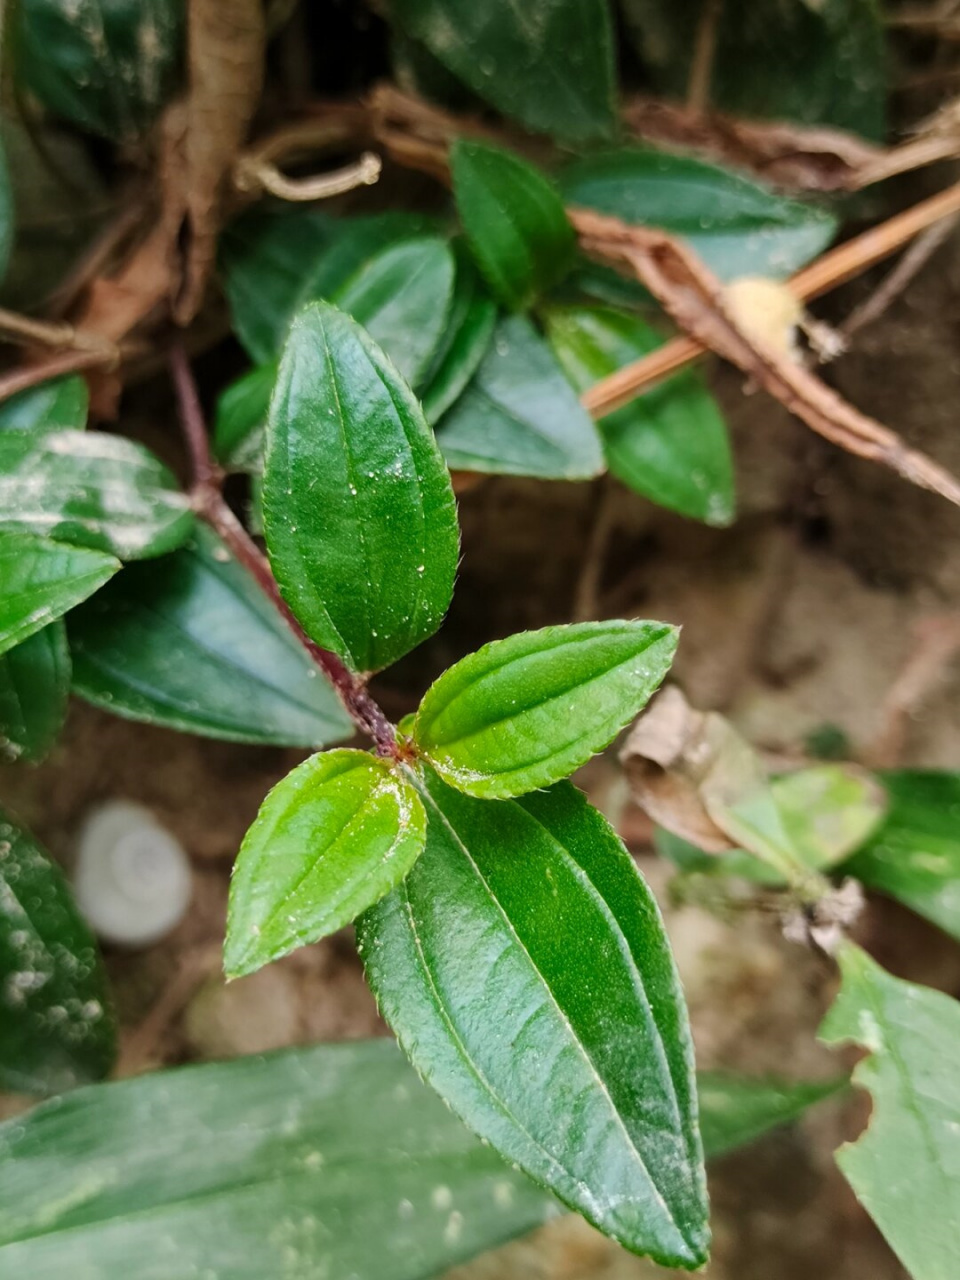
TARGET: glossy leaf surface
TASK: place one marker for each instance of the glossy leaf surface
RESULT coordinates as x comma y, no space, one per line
40,580
330,840
192,643
736,1110
524,712
56,1030
326,1160
58,405
34,687
359,514
523,965
466,339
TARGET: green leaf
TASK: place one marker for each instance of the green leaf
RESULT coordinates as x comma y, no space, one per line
34,687
241,418
58,405
524,712
103,492
671,443
323,1161
330,840
105,65
903,1168
192,643
738,227
467,337
359,515
548,64
6,214
915,855
40,580
736,1110
514,221
519,416
56,1031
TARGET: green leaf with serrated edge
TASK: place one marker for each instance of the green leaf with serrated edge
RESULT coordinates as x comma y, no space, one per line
524,712
736,1110
738,227
330,840
241,417
359,515
99,491
40,580
548,64
333,1160
520,416
105,65
34,687
915,855
6,213
466,339
671,443
514,221
58,405
56,1031
524,967
903,1169
191,642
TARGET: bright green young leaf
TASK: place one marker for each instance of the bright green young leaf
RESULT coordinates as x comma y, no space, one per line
191,642
915,855
58,405
56,1030
524,712
105,65
520,416
99,491
736,1110
738,227
34,687
333,1160
671,443
547,63
359,515
6,214
40,580
330,840
514,221
904,1168
524,967
466,339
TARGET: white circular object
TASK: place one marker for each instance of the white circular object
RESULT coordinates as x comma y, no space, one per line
131,878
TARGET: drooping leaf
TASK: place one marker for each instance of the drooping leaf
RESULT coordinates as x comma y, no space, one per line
524,967
329,1160
514,221
6,214
103,492
467,336
34,687
737,227
359,514
669,444
56,1030
903,1169
330,840
40,580
548,64
192,643
524,712
58,405
105,65
519,416
736,1110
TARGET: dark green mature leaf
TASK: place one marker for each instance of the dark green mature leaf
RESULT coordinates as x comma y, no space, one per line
514,221
519,416
524,712
359,515
103,492
6,214
192,643
34,687
915,855
333,1160
106,65
524,968
671,443
40,580
56,1030
548,64
467,336
330,840
738,227
58,405
736,1110
903,1168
